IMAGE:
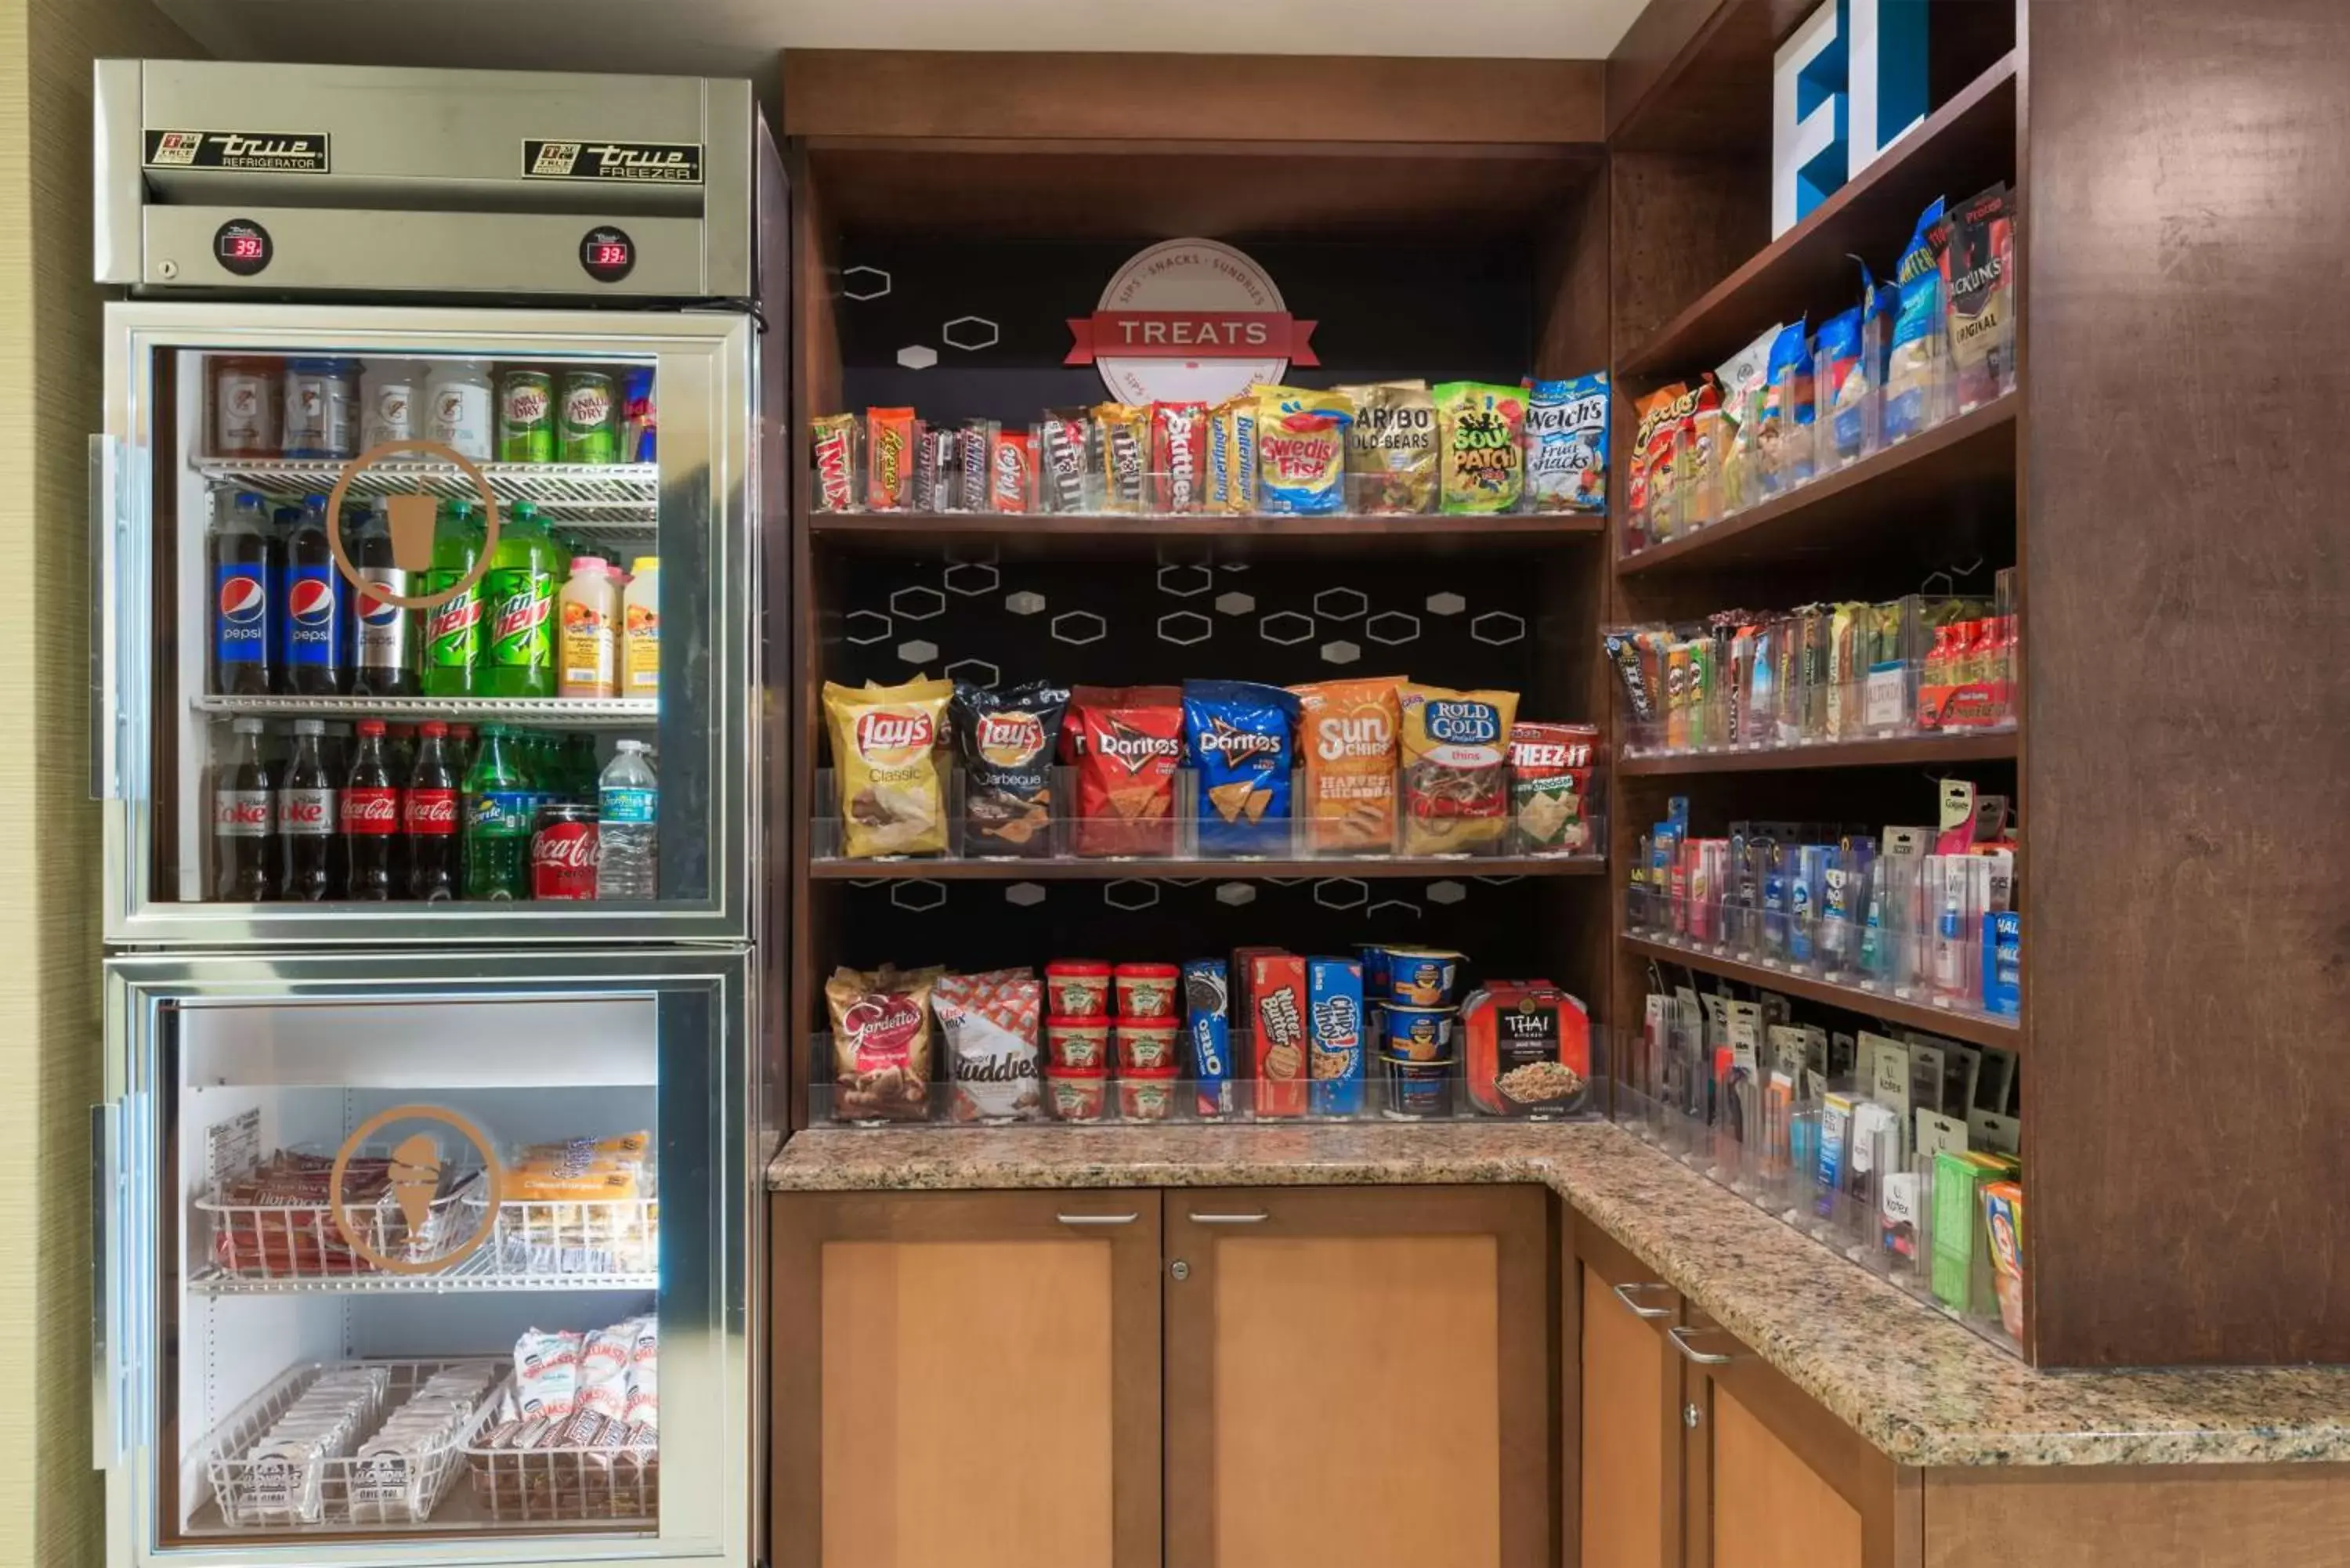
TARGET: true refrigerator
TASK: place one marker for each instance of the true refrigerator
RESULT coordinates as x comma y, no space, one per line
424,1231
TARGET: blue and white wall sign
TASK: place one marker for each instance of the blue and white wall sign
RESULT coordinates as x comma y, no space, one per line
1846,84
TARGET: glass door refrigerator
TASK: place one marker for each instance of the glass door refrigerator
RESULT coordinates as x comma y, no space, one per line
426,697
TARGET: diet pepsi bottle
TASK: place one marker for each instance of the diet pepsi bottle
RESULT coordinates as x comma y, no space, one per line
313,607
244,557
371,821
244,821
429,814
383,651
308,819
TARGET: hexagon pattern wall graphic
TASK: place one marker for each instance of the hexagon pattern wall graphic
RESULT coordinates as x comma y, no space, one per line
1497,627
978,671
1026,895
918,651
1340,653
1234,604
971,333
1446,892
1024,603
1341,604
862,628
918,357
971,578
918,603
1391,908
1080,628
863,283
920,896
1236,894
1392,628
1129,894
1446,603
1186,581
1185,628
1286,628
1342,893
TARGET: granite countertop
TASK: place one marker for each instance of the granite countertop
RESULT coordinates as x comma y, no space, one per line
1919,1386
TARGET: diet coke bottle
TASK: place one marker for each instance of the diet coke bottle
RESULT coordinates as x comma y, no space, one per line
430,816
372,819
244,823
307,818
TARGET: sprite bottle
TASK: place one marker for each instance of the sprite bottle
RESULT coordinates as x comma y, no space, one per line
518,649
498,821
452,630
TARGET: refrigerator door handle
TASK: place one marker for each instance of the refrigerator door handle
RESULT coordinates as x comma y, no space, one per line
107,1414
105,719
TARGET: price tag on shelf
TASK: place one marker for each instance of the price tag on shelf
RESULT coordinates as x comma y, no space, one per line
1885,700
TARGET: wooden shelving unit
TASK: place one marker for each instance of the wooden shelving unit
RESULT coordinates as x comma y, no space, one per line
1234,537
1900,751
1980,1029
1393,868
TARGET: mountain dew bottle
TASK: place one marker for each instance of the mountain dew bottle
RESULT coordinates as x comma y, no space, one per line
453,629
518,649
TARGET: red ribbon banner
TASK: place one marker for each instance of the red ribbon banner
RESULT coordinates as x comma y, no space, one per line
1190,334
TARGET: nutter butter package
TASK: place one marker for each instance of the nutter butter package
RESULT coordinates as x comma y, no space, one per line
1278,997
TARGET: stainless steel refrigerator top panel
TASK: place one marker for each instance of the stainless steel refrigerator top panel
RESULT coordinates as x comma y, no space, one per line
710,1193
707,367
515,168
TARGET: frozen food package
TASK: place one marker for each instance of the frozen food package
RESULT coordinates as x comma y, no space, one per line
1566,444
885,756
1480,434
1456,797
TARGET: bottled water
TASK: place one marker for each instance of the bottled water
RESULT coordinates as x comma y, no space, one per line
629,834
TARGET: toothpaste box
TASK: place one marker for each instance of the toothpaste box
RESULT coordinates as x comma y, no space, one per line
1334,1000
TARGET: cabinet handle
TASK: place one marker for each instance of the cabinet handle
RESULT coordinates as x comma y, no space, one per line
1097,1218
1626,1292
1680,1338
1257,1219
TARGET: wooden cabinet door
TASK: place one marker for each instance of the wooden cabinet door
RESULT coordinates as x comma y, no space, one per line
1359,1376
1773,1480
1623,1405
965,1380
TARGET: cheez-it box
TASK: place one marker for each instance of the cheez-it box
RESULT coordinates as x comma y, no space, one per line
1278,1013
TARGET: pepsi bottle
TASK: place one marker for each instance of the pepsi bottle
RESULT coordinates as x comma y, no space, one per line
383,652
313,608
243,555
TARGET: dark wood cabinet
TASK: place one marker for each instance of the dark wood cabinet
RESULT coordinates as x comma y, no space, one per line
1624,1406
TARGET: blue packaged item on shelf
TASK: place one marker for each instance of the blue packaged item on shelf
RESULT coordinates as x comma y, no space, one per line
1566,444
2003,963
1840,384
1333,996
1237,735
1785,442
1913,365
1207,1026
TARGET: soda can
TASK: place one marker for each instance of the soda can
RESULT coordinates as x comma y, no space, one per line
639,424
588,430
564,852
526,417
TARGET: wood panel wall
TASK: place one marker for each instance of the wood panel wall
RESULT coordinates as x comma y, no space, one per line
50,1500
2189,947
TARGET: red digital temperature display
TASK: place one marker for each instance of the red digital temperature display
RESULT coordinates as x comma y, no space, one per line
608,255
242,246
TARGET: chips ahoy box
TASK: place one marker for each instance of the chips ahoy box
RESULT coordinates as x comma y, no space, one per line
1333,989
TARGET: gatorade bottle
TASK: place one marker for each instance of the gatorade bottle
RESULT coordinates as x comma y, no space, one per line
453,629
518,590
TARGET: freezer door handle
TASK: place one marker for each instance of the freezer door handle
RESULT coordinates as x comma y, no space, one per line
106,1413
105,748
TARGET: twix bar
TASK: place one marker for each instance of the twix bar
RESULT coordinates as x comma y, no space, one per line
836,462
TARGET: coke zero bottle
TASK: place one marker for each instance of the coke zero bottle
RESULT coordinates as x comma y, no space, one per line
430,814
372,819
313,607
383,658
244,821
244,550
307,820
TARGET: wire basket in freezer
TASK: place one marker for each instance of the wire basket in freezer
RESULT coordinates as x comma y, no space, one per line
578,1468
331,1445
542,1239
275,1221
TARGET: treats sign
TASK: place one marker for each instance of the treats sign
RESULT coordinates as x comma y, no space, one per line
1190,321
1846,84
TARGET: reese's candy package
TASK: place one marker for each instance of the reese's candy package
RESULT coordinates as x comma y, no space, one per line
1346,739
1122,438
1456,796
884,753
1178,456
1126,744
1566,444
1392,448
890,458
1478,431
1236,735
1301,450
1007,740
1550,787
836,462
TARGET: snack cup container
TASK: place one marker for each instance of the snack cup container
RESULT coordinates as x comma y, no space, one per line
1147,1094
1146,1045
1148,990
1077,1093
1076,988
1079,1042
1417,1033
1417,1089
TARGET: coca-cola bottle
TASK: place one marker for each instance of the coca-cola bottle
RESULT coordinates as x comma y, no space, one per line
430,814
244,821
372,819
307,820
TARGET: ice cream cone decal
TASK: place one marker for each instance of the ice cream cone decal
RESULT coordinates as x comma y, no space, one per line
418,1174
411,520
415,1179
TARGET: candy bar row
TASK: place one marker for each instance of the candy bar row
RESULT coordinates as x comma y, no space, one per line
1936,341
1396,447
1759,680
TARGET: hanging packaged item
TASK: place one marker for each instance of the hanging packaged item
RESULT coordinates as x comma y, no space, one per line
1456,796
1126,744
1301,450
1391,449
885,756
1978,273
1007,740
1843,428
1566,444
1481,432
1785,439
1346,739
881,1043
1237,737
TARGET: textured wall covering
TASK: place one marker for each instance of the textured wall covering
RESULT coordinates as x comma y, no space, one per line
49,1041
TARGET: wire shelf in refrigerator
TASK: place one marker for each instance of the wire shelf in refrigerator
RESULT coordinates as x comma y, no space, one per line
615,712
484,1273
625,494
